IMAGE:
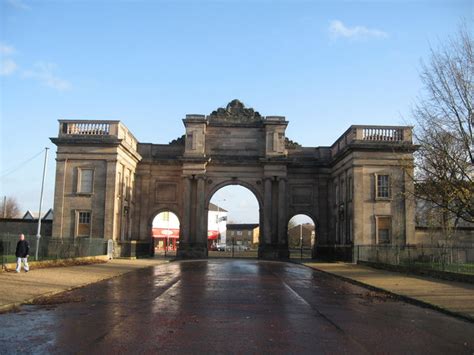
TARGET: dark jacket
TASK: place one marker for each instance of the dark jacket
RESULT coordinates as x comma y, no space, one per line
22,249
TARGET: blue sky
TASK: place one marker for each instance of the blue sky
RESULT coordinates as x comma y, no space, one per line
323,64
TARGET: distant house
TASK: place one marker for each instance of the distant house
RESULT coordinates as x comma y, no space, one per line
243,234
29,215
28,224
304,231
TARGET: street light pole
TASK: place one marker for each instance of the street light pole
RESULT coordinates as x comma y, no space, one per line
301,241
38,232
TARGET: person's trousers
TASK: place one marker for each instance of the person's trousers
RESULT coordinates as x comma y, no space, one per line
25,264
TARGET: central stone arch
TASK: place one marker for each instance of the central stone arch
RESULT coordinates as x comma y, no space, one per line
254,188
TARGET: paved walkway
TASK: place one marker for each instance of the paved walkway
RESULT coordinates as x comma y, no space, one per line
16,289
450,296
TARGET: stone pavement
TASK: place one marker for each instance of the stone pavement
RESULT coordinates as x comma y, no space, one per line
451,297
20,288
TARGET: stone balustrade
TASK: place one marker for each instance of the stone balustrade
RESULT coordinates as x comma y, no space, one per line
95,129
382,134
373,134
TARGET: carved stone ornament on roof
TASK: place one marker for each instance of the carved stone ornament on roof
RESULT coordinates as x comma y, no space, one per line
235,111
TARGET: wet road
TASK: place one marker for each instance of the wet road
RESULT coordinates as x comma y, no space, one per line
230,306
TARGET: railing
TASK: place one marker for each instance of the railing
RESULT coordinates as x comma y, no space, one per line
52,248
379,134
382,134
95,129
444,258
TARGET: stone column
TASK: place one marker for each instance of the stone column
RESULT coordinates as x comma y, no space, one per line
185,227
267,211
282,230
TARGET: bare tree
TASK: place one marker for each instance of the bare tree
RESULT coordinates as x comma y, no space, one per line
444,130
9,208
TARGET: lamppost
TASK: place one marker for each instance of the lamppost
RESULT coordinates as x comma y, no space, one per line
38,232
301,241
218,220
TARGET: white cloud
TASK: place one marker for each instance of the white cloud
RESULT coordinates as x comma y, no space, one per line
44,73
6,50
338,29
19,4
7,67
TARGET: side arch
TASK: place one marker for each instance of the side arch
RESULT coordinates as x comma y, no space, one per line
314,238
155,213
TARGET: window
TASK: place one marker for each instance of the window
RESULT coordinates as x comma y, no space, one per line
382,186
165,216
239,232
83,228
85,181
384,226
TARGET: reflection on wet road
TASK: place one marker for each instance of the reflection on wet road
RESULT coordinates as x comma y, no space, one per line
231,306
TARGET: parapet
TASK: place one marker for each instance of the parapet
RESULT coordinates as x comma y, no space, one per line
373,135
91,129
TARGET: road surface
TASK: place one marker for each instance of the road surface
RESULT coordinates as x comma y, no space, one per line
233,307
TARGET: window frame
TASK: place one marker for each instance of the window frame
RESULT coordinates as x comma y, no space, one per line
77,222
80,171
377,236
389,187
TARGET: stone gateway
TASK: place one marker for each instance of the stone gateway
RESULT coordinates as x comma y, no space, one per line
358,191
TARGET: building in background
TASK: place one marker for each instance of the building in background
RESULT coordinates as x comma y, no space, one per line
165,231
244,235
48,216
166,226
216,226
301,233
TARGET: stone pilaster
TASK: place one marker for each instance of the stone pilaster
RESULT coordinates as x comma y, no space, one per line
186,222
201,234
282,206
267,211
110,231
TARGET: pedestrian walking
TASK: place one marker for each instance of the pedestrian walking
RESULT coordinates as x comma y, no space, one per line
22,251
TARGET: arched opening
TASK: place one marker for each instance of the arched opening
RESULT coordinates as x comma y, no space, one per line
301,236
233,222
165,233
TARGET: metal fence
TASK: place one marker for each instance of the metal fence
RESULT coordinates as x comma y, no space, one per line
442,258
52,248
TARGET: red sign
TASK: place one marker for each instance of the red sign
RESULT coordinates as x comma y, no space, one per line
174,233
211,235
165,233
